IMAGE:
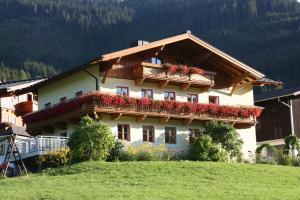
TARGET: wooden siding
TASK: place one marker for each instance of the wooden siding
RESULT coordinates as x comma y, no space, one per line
274,122
296,111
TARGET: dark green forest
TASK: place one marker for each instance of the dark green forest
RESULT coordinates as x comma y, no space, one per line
43,37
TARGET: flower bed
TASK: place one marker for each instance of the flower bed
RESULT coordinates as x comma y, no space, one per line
97,99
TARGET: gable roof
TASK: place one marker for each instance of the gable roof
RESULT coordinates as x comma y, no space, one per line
103,59
181,37
287,92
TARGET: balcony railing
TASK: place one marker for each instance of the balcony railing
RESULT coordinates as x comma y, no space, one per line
97,102
33,146
25,107
155,72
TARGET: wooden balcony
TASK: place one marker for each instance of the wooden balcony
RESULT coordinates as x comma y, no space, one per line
158,73
96,105
24,108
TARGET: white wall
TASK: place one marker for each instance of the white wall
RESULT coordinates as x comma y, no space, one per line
68,86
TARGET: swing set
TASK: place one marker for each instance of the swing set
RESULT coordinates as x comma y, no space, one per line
12,151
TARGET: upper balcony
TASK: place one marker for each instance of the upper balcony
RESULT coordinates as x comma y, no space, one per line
97,104
183,76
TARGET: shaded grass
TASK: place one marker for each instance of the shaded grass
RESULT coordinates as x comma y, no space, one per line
157,180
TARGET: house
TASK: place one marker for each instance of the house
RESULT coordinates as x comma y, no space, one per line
16,101
281,116
156,92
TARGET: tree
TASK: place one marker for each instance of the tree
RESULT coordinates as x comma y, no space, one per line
91,140
226,135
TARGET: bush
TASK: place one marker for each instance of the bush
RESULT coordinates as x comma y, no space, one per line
270,158
226,135
91,140
284,159
203,149
53,159
291,144
116,152
145,152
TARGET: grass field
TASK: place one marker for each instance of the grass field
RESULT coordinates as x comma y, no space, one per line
157,180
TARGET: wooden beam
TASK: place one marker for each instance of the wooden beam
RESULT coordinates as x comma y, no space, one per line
233,89
139,81
185,86
106,74
239,78
163,84
116,117
97,115
186,122
141,118
164,120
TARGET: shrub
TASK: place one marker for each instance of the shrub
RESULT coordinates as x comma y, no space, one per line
53,159
91,140
284,159
145,152
203,149
116,152
226,135
270,158
291,144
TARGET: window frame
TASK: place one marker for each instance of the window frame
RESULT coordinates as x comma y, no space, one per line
47,105
63,99
78,93
144,91
147,133
193,94
216,98
170,135
123,133
169,95
122,87
193,133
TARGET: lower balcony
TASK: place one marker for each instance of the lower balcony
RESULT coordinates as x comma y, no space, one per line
97,104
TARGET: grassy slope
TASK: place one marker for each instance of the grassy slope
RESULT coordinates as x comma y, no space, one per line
157,180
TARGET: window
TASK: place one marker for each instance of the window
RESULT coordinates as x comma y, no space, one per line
192,98
148,134
169,95
78,94
146,93
35,97
155,61
29,97
123,91
193,134
124,132
213,99
47,105
170,135
63,99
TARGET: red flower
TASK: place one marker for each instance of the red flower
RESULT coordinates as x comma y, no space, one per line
185,70
195,70
173,69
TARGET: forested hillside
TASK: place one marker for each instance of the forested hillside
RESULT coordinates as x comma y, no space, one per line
43,37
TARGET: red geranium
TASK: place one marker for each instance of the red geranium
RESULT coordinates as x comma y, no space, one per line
195,70
185,70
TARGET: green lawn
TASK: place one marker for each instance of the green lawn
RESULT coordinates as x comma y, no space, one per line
157,180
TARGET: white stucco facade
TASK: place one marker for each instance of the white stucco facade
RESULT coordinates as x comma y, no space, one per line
81,81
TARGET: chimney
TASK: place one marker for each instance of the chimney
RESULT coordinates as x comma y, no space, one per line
139,43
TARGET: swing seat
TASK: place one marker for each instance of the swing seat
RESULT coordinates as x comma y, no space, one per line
3,165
